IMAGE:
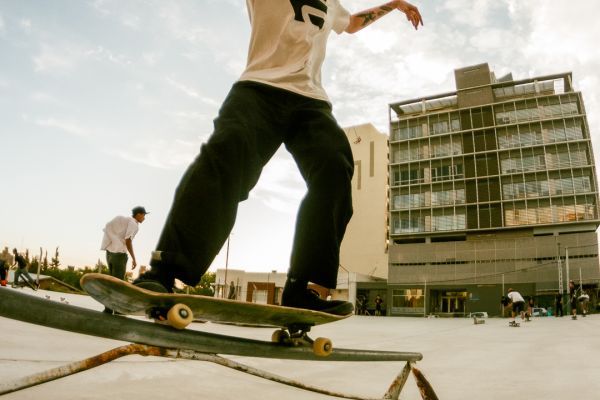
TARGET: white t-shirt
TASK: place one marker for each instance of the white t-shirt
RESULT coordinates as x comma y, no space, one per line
515,297
288,42
115,233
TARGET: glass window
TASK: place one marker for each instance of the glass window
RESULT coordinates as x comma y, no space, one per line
408,300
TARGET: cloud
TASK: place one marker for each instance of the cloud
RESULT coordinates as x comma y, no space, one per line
70,127
43,97
280,184
191,92
99,53
52,58
159,153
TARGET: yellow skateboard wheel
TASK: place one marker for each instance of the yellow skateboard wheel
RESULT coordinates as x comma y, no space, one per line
180,316
322,347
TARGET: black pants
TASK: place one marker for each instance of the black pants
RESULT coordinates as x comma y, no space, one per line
117,264
253,122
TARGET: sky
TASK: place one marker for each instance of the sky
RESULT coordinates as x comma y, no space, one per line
104,103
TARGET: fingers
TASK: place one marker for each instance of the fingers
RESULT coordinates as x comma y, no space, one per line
415,18
412,13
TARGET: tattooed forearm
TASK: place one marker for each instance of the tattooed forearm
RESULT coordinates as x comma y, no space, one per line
372,15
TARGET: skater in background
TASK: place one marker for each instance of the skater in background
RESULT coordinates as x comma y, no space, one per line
518,305
584,300
279,99
22,272
378,304
530,305
559,305
573,299
118,241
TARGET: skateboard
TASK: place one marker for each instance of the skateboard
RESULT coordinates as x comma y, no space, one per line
514,324
179,310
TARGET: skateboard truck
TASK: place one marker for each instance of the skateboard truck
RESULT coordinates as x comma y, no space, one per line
297,335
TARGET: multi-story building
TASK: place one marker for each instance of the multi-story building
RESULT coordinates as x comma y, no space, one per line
491,186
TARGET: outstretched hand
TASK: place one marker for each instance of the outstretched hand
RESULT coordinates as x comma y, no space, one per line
412,13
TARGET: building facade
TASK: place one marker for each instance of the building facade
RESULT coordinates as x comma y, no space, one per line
491,186
364,249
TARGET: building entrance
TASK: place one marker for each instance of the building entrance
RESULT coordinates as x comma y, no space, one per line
452,302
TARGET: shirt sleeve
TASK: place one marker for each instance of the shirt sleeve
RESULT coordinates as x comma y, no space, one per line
341,17
132,229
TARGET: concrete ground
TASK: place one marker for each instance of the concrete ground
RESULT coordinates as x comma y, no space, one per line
547,358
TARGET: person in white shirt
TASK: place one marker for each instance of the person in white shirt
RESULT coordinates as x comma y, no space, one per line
518,304
279,99
118,241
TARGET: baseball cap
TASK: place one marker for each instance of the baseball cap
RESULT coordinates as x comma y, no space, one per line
139,210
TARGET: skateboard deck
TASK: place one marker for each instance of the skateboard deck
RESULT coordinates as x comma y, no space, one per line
179,310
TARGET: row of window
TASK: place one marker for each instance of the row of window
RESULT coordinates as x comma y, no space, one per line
503,114
487,166
536,112
524,136
517,214
514,163
439,198
510,191
552,187
533,134
549,214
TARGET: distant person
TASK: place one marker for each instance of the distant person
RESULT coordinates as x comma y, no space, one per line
278,100
583,299
22,272
6,260
530,305
3,271
231,294
518,305
378,304
559,305
573,299
118,241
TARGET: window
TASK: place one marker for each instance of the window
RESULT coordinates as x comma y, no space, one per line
408,300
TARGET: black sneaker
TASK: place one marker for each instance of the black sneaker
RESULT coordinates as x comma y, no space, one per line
155,282
297,295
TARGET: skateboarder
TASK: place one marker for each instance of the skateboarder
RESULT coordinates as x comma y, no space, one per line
278,100
518,305
378,303
118,240
559,305
22,273
583,299
573,299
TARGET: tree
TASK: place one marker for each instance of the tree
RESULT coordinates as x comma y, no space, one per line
101,267
205,287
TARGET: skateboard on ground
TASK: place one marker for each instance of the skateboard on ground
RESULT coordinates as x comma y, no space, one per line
179,310
514,324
